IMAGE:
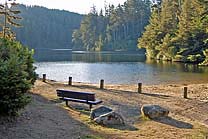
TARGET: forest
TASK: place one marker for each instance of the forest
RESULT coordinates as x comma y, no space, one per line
171,30
177,31
113,28
44,28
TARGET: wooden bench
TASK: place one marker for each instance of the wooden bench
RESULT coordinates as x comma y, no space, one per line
81,97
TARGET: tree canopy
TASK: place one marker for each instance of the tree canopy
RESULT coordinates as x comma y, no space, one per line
177,31
46,28
114,28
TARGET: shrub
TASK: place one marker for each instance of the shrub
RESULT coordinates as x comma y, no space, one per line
17,75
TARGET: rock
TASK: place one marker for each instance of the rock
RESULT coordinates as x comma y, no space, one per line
99,111
110,119
154,111
206,122
106,116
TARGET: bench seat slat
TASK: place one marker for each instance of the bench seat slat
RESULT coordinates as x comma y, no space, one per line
82,101
76,95
62,90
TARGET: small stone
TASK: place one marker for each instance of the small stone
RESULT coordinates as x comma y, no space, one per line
154,111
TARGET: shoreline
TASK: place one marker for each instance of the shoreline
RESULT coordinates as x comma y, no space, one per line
131,84
198,90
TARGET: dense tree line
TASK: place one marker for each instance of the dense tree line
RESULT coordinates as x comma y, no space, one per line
114,28
178,31
46,28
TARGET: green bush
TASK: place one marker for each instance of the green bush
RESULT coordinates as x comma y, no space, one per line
17,75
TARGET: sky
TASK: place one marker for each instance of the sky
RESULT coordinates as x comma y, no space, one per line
78,6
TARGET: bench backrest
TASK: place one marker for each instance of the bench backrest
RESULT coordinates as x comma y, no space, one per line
76,95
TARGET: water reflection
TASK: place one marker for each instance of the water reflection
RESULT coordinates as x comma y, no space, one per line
107,56
172,66
118,68
53,54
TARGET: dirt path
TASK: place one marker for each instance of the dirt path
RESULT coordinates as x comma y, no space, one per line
43,120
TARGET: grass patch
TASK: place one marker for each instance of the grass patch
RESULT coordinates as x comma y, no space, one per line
201,132
144,118
91,137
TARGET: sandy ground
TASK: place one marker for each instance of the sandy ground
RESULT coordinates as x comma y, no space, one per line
42,119
46,117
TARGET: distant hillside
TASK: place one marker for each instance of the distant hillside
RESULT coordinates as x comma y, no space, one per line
47,28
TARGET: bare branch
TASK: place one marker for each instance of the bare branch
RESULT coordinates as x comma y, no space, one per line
14,17
13,23
14,11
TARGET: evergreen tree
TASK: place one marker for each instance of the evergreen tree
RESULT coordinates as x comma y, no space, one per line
117,29
44,28
178,31
151,39
9,12
16,71
17,76
191,33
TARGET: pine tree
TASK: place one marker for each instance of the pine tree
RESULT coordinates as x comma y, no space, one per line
119,27
178,31
168,26
10,19
151,39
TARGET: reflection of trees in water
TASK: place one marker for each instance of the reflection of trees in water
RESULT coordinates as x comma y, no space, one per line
108,57
175,66
52,55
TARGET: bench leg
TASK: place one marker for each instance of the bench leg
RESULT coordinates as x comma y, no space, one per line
67,103
90,106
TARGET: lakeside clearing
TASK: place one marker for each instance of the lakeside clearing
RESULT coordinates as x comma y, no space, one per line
46,117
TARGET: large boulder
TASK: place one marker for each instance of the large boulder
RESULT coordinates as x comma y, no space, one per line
154,111
106,116
110,119
99,111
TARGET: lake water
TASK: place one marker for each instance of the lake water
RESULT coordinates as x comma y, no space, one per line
120,68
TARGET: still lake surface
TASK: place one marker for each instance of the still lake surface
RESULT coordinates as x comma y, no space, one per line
120,68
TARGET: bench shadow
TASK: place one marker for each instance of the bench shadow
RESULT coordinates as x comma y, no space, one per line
173,122
80,108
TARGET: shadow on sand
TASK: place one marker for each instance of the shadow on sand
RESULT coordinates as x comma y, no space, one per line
166,120
85,110
121,91
156,95
173,122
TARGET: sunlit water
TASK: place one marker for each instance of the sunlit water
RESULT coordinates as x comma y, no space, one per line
116,68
